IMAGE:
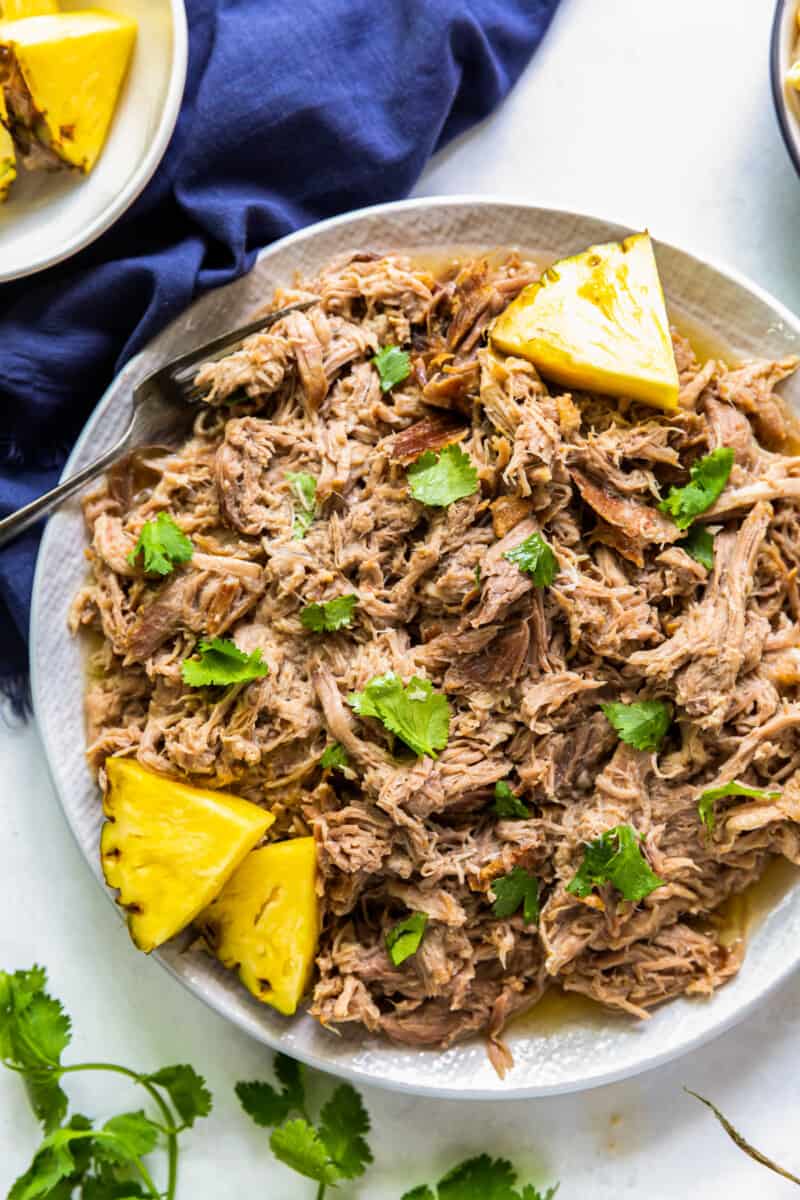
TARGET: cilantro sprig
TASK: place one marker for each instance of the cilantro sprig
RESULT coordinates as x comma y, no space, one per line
699,545
416,713
393,366
105,1161
518,889
507,805
643,724
708,798
535,557
304,493
333,1149
220,662
334,758
707,479
439,478
616,858
329,615
162,545
480,1178
405,938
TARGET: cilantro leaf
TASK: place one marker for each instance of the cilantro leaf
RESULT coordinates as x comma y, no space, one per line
699,545
507,805
393,366
161,544
34,1032
299,1146
186,1089
267,1106
125,1138
707,481
304,490
220,662
417,714
403,939
440,478
616,858
105,1187
480,1178
642,724
536,558
518,888
330,615
706,800
334,757
51,1164
343,1124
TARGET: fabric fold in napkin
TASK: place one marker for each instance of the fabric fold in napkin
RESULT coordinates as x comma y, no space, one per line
292,113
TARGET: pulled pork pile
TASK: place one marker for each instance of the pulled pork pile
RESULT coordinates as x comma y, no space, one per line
629,616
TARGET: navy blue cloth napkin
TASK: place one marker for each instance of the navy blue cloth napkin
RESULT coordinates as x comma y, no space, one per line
292,112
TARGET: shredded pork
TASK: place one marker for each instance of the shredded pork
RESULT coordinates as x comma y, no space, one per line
629,616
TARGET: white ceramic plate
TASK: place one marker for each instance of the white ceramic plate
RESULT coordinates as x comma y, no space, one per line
551,1055
49,217
785,33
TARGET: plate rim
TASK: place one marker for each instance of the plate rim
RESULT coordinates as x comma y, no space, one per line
143,174
357,1075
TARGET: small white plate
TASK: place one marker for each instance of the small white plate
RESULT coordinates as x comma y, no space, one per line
785,37
590,1046
49,217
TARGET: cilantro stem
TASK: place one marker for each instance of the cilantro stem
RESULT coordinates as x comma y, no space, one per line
170,1131
321,1191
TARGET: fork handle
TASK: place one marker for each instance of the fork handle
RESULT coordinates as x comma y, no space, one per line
23,518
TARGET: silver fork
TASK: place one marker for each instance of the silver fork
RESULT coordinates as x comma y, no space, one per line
164,408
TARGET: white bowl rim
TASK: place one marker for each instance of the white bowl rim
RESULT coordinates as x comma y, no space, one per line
320,1062
146,168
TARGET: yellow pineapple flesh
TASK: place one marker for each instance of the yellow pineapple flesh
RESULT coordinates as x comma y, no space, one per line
265,922
170,848
598,322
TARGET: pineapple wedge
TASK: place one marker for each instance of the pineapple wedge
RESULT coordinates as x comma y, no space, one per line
597,322
170,848
61,75
8,159
265,922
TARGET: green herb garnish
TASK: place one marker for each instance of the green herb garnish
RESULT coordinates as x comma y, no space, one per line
220,662
642,724
507,805
106,1161
333,1149
518,888
393,366
440,478
403,939
699,545
304,490
334,758
416,713
162,544
536,558
616,858
480,1178
329,615
707,799
707,481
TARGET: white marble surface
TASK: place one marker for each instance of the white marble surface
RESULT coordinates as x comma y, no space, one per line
651,113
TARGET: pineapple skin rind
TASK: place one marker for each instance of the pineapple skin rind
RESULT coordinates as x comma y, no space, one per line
169,848
265,922
533,327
